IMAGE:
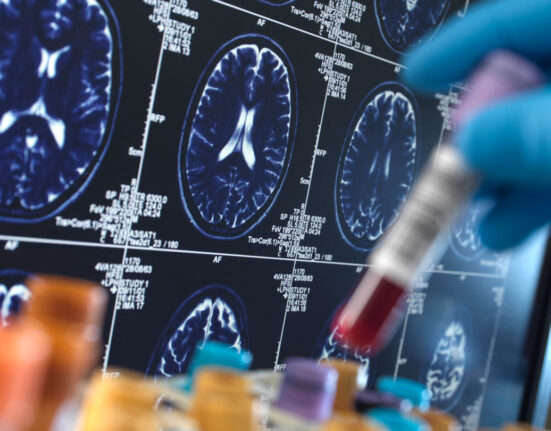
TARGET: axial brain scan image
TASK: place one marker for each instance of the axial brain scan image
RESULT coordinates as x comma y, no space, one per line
14,294
56,98
404,23
213,313
238,137
377,165
448,366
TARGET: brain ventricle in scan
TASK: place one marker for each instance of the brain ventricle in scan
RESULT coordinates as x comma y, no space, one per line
405,23
377,165
14,294
238,138
57,98
213,313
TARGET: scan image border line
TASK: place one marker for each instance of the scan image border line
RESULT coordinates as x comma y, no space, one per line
145,140
48,241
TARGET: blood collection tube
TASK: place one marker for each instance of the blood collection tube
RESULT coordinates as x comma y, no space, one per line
24,355
377,305
129,402
222,401
439,420
368,400
351,422
348,384
71,312
306,396
397,421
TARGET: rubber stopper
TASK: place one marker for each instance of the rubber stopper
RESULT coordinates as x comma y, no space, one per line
308,389
408,389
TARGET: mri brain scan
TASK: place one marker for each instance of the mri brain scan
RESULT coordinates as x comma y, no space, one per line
329,347
238,137
464,236
13,294
404,23
377,165
58,92
213,313
448,366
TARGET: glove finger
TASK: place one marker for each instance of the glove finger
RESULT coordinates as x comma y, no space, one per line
521,26
510,142
514,217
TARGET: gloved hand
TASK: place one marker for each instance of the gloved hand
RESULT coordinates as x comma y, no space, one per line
509,142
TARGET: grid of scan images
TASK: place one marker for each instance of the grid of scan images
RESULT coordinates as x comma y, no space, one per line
224,167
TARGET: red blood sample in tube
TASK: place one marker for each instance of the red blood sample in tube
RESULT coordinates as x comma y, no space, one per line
373,313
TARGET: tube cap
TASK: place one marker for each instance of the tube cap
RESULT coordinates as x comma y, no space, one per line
519,426
441,421
351,422
215,354
219,354
308,389
67,300
347,384
367,400
23,364
222,401
396,421
408,389
502,74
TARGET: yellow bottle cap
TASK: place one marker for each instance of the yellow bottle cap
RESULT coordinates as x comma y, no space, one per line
438,420
519,426
123,403
223,401
347,385
350,422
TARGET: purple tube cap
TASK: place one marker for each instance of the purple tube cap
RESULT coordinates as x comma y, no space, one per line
308,389
501,75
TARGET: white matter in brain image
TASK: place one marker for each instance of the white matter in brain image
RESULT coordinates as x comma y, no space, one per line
448,365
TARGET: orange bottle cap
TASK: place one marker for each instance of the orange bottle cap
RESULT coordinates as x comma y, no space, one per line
438,420
71,312
23,363
347,384
519,426
223,401
350,422
67,300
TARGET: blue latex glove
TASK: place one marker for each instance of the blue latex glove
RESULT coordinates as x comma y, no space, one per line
509,142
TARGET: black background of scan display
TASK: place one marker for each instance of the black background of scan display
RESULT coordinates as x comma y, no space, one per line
177,275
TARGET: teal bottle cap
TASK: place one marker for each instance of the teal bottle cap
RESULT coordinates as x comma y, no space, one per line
215,354
396,421
407,389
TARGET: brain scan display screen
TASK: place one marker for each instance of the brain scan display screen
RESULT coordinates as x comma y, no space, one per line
224,168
